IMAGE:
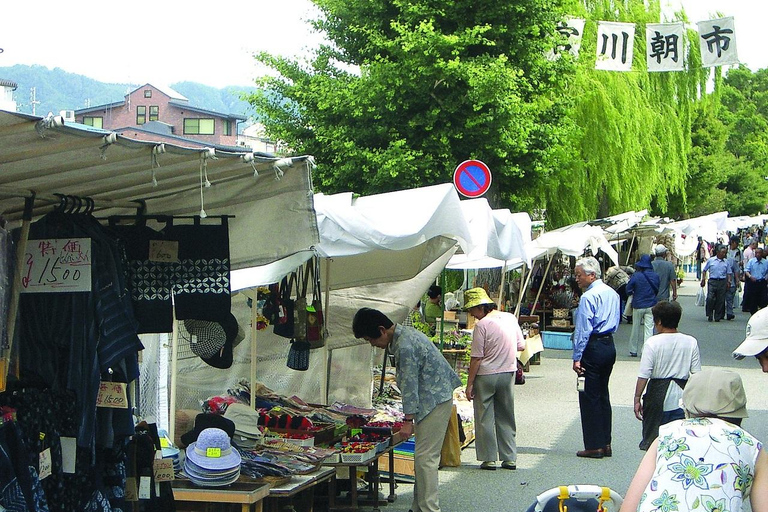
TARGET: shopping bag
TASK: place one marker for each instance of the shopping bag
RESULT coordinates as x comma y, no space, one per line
300,307
628,307
285,308
519,374
315,321
450,453
701,297
298,356
737,299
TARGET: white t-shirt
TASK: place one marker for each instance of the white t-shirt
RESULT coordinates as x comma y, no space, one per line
497,338
670,355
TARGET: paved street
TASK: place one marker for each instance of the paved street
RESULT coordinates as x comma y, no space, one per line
549,430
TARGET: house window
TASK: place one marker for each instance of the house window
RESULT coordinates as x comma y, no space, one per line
147,93
141,114
227,128
96,122
154,110
198,126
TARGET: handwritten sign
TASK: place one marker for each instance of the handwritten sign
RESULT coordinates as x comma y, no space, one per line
163,470
45,464
57,265
112,394
164,251
131,492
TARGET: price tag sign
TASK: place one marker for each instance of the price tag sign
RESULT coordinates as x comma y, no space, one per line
164,251
131,492
214,453
57,265
112,394
45,464
164,443
145,488
163,470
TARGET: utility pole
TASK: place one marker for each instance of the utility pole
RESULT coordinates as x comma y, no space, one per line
33,99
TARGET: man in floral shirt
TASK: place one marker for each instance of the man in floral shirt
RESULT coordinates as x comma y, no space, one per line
426,382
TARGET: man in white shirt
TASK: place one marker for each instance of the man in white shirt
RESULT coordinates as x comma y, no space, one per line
668,359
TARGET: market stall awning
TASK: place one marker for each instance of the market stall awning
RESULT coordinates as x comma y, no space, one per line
499,236
573,240
46,156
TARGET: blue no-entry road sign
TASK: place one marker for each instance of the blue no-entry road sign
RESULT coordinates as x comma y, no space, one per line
472,178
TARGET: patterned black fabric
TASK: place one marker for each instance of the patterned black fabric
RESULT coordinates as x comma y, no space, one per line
20,489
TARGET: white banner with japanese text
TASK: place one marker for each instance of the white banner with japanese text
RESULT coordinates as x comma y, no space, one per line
664,46
615,44
717,41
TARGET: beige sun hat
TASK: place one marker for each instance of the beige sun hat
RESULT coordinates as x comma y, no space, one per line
475,297
715,392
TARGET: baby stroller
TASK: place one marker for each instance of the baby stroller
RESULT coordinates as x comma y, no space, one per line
577,498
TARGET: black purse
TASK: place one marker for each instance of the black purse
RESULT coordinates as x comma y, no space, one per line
298,355
284,324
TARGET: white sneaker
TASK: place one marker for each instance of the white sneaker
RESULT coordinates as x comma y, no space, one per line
490,465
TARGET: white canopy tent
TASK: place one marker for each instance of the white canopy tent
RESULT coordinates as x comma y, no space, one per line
379,251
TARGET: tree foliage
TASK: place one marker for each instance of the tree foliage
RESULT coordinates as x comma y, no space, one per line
410,88
631,135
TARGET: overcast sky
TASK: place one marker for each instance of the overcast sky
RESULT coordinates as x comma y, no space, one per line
171,42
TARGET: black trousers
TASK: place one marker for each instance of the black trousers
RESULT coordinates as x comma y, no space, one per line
595,402
715,305
755,295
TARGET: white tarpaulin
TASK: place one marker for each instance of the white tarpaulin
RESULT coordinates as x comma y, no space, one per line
274,218
572,240
499,236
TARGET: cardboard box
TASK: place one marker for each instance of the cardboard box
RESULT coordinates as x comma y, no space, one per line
403,465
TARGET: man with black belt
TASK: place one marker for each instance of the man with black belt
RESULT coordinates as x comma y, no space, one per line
720,275
755,291
594,355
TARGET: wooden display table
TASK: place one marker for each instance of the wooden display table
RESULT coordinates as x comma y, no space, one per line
248,495
300,491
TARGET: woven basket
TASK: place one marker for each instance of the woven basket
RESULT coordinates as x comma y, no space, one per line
560,322
560,313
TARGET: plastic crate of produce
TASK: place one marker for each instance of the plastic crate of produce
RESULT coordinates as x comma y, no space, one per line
557,340
358,458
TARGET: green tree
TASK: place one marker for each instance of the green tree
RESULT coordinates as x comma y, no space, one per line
631,131
408,89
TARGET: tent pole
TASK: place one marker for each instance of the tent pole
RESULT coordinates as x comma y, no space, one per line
629,251
543,280
327,353
442,308
501,286
522,291
174,366
254,347
13,307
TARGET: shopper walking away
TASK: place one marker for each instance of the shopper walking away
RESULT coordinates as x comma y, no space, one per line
643,286
666,271
594,355
426,382
668,359
734,260
720,276
496,339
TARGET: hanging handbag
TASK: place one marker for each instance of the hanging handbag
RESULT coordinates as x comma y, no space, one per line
300,307
519,374
284,324
315,323
298,355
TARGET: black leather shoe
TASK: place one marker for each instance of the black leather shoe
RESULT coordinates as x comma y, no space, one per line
591,454
709,319
607,451
731,317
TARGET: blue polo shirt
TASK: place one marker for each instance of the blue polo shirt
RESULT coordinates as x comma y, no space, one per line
757,269
718,269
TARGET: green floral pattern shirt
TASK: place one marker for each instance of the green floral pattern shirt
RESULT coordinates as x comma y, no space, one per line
702,464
